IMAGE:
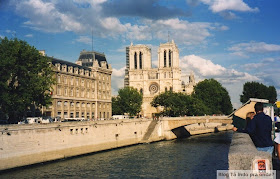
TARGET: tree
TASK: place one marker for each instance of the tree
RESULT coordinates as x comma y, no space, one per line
26,78
129,100
179,104
214,96
258,90
197,108
116,108
173,103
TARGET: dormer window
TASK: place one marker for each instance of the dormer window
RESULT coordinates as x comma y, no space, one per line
57,66
64,68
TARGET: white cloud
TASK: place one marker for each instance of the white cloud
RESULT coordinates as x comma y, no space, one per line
207,69
29,35
228,15
231,79
84,39
225,5
92,2
251,66
240,54
117,80
46,17
110,23
138,32
269,59
254,47
118,72
11,32
86,16
182,31
223,28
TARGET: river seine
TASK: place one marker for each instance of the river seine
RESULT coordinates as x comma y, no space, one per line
194,157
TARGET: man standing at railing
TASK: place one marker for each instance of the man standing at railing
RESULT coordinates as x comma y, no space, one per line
260,128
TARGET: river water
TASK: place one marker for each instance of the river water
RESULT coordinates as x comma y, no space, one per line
194,157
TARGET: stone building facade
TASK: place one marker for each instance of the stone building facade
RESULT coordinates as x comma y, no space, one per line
153,81
82,89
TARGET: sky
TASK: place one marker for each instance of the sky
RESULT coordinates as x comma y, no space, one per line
232,41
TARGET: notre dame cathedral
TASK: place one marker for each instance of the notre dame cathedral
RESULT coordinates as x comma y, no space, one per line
153,81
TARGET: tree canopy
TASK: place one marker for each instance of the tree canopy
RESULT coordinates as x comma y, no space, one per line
214,96
209,97
179,104
129,100
258,90
26,78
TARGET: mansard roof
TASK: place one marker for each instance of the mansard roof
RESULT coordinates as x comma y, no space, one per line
62,62
85,56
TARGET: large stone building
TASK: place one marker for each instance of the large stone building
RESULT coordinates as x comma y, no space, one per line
153,81
82,89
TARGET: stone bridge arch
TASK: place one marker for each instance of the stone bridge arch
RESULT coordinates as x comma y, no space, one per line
176,127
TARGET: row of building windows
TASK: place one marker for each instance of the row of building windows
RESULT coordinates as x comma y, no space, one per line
82,82
64,91
78,82
74,70
100,76
85,115
103,77
82,104
103,85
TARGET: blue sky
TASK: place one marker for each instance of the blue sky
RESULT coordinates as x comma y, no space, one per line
233,41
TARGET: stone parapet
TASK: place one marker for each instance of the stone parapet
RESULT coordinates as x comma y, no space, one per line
243,154
35,143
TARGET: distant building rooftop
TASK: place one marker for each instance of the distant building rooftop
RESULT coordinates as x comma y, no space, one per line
55,60
87,58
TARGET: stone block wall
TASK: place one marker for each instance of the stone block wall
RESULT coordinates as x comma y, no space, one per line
34,143
243,153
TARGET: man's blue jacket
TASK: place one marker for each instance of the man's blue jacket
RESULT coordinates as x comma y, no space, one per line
260,130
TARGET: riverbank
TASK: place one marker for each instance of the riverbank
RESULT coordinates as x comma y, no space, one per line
198,156
29,144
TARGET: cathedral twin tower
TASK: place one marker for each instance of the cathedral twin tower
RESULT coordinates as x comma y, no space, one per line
153,81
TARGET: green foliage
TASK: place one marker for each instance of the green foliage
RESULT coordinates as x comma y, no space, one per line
129,100
179,104
198,108
214,96
116,108
209,97
25,79
258,90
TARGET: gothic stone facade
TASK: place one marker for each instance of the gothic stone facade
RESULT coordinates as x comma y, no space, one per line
153,81
82,89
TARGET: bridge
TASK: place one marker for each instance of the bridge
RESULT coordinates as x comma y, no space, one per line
178,127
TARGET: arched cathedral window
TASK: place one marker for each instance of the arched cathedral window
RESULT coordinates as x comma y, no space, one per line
170,58
164,58
140,60
135,60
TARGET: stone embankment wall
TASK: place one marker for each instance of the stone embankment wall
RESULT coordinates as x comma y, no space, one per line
243,153
27,144
34,143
